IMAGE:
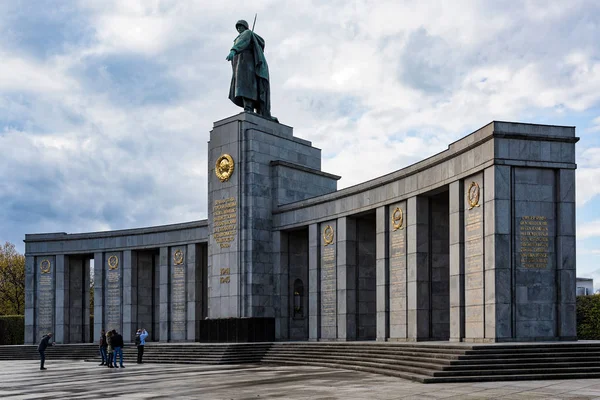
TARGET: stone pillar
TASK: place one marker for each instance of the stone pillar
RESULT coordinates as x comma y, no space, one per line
346,279
86,301
457,262
328,237
194,290
314,284
99,318
382,274
75,304
497,237
418,292
281,284
474,259
164,294
396,222
61,313
130,267
45,307
30,285
565,255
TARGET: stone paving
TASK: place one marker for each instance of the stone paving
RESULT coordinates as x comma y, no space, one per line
84,380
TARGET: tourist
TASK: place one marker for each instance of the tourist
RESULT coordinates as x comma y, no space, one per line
117,342
42,348
103,346
140,341
109,349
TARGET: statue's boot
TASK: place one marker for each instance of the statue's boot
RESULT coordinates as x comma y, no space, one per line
248,105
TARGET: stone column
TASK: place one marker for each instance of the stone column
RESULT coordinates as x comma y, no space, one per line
418,292
194,290
281,284
61,314
565,255
98,294
383,276
346,278
86,301
474,259
130,280
457,262
497,237
314,284
75,303
164,294
30,285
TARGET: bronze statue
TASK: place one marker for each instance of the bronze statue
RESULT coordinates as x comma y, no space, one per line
250,81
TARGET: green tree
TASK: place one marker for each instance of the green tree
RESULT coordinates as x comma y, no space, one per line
12,281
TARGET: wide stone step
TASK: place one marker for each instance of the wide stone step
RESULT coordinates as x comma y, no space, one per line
390,358
535,350
351,359
399,353
414,376
524,366
528,355
519,377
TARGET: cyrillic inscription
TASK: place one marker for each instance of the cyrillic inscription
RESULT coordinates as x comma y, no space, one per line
534,241
225,221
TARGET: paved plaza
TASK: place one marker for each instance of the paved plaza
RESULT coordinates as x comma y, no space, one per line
84,380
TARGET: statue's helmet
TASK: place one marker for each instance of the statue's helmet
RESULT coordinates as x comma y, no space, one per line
243,23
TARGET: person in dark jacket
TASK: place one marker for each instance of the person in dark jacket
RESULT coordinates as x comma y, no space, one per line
102,346
45,342
117,342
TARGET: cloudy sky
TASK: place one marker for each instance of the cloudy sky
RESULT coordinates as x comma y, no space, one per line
106,106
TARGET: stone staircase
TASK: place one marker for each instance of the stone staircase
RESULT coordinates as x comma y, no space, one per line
422,362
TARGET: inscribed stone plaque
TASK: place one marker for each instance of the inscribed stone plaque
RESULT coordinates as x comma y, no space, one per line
474,271
397,289
328,282
178,294
45,296
113,292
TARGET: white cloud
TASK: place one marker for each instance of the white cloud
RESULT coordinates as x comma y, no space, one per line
384,82
588,230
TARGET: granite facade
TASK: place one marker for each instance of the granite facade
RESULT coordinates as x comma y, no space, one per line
476,243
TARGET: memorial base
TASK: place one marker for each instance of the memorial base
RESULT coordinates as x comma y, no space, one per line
236,330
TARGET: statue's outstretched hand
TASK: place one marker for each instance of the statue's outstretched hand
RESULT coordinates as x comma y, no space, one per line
230,55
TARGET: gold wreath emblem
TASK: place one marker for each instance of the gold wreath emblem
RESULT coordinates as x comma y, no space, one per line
178,257
473,195
398,219
113,262
328,235
224,167
45,266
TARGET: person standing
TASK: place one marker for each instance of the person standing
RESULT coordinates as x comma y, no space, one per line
140,341
102,346
117,341
44,343
109,349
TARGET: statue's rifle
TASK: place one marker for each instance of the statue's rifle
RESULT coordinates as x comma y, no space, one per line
254,23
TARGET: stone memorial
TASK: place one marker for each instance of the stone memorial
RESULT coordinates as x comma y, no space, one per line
473,244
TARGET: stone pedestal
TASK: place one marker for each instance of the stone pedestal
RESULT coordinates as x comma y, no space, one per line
254,165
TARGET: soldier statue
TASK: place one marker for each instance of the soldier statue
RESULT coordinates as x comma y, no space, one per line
250,81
